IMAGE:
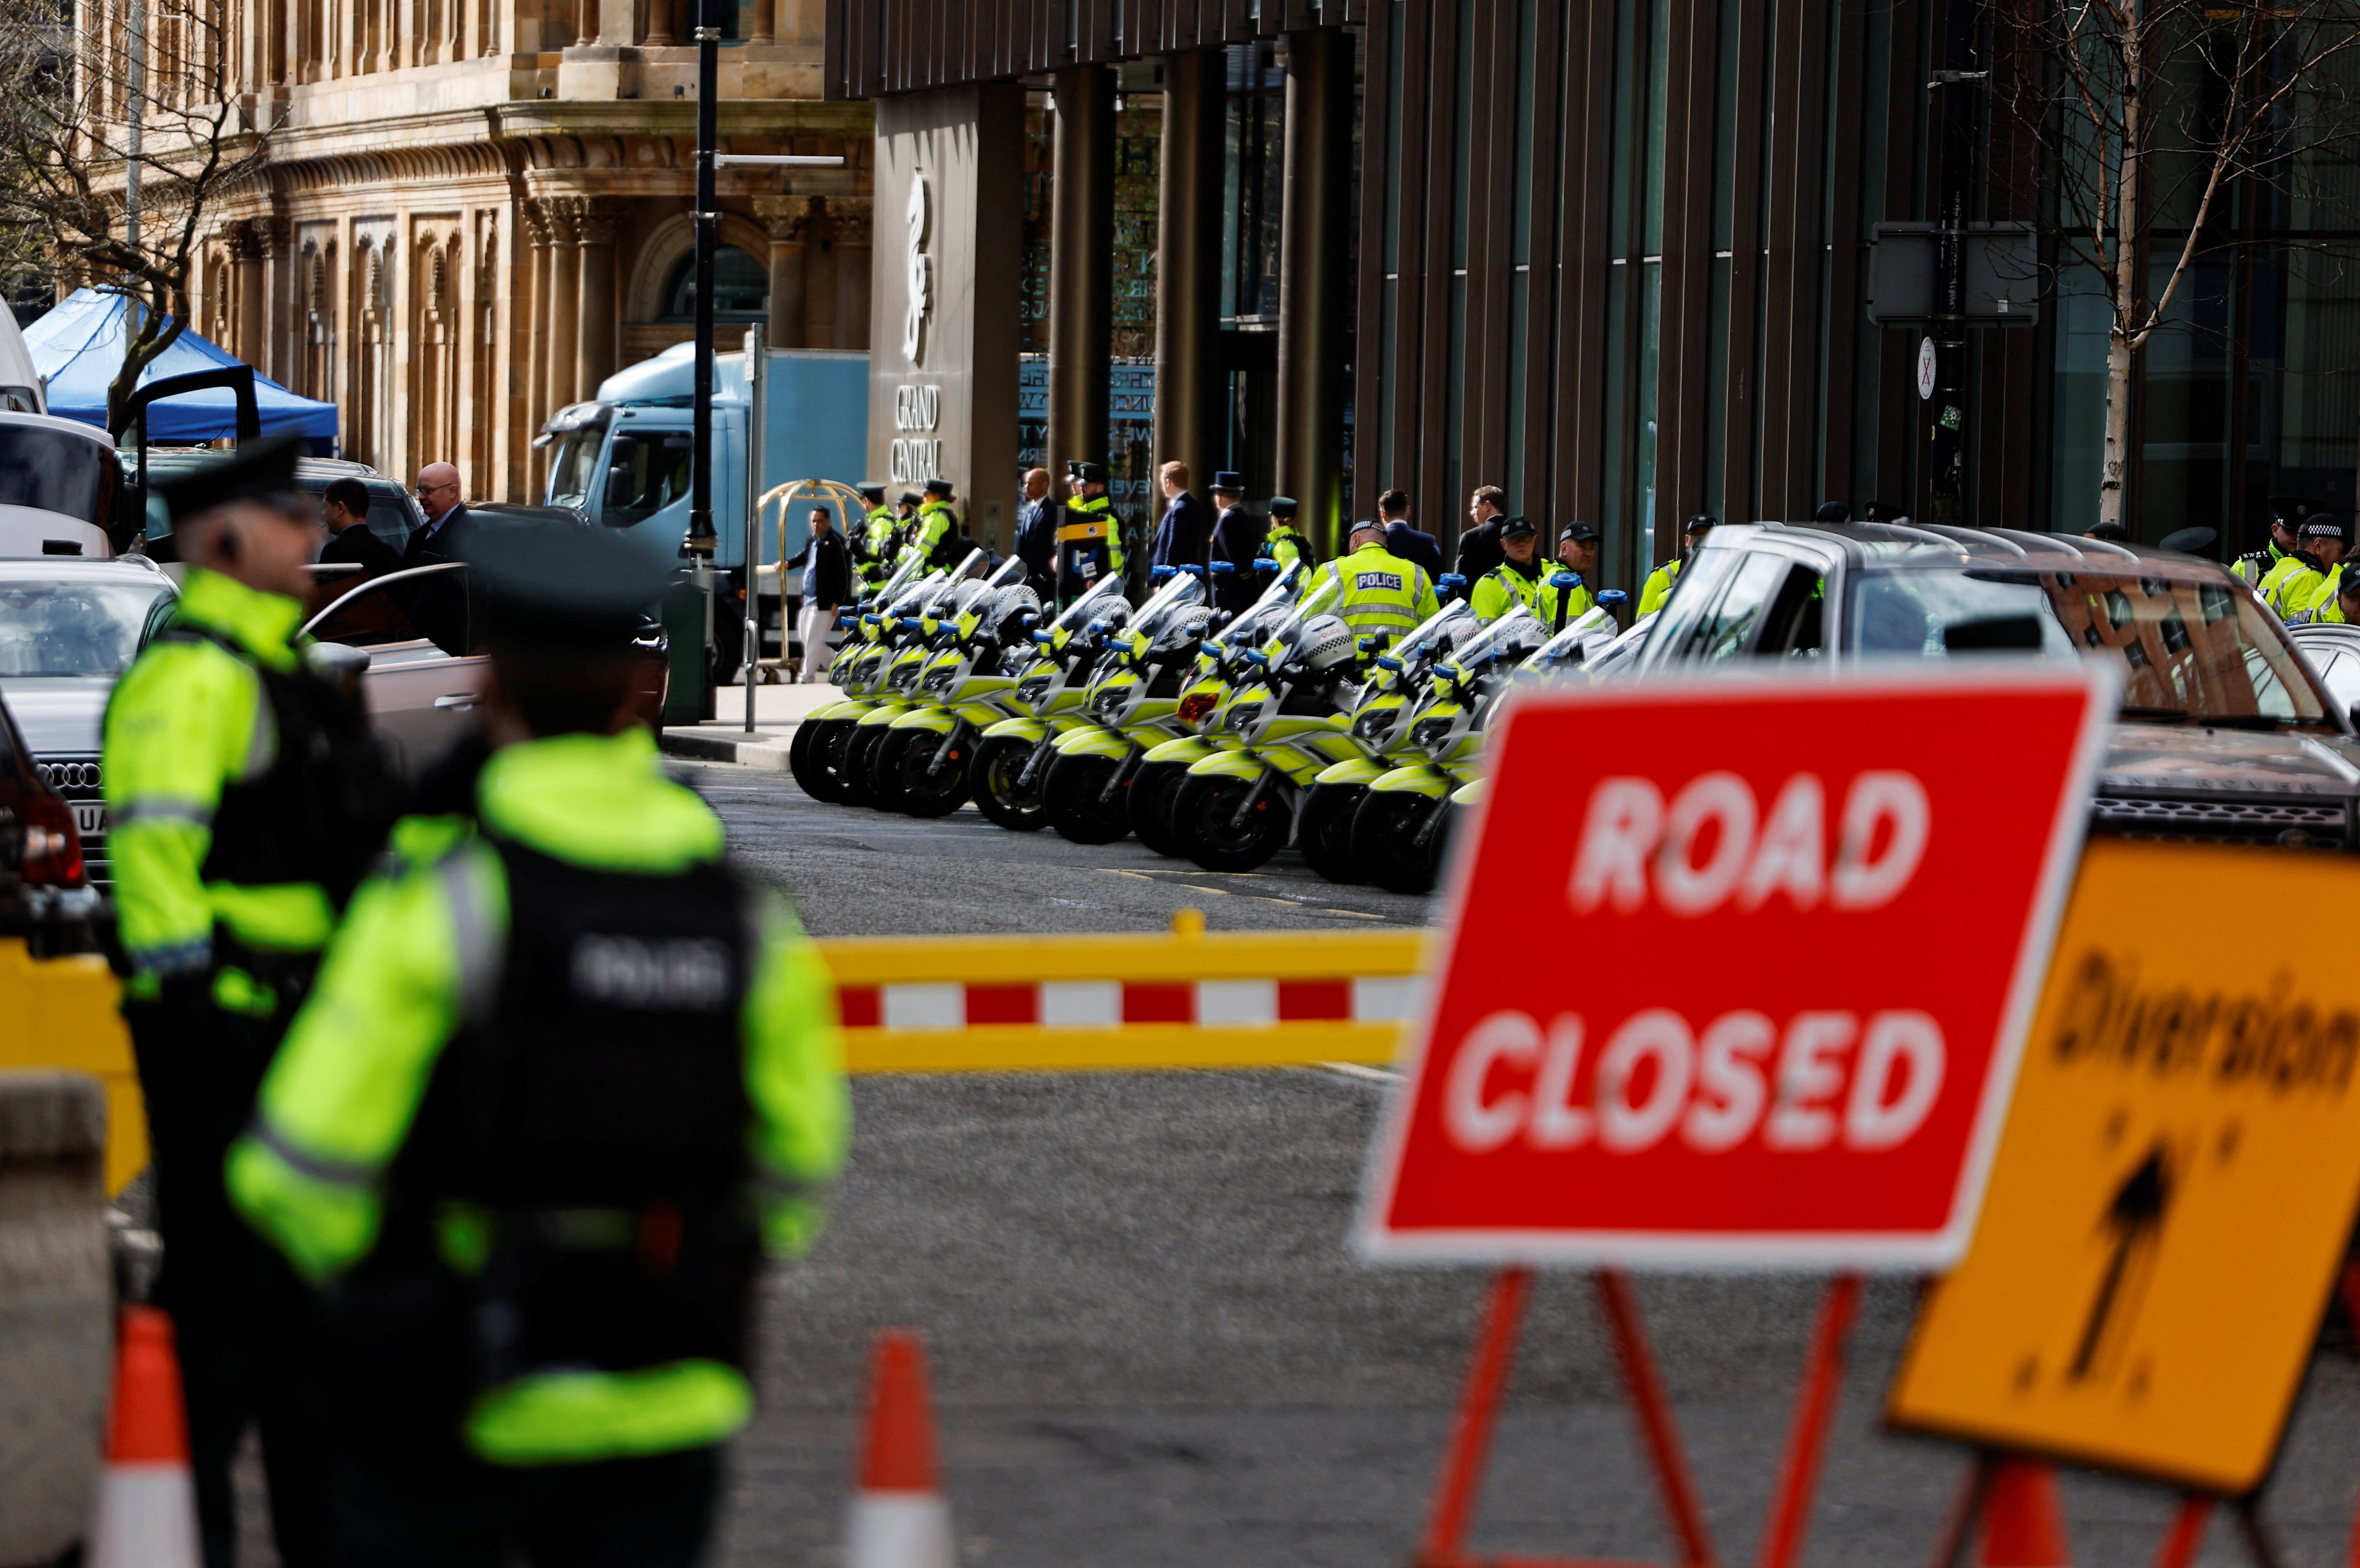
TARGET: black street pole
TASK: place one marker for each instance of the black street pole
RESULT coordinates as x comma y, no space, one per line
1958,80
700,541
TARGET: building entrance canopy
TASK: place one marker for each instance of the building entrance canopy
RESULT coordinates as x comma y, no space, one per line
79,347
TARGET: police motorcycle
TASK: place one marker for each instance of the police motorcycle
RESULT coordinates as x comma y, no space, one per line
1390,699
861,784
880,681
1237,808
858,664
1220,667
1131,707
1402,825
919,767
1009,768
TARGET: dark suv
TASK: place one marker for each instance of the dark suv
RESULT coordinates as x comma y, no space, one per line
2225,734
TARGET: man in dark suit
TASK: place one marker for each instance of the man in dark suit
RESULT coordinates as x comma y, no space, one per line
1405,539
351,542
439,605
1237,539
1036,534
1188,525
1479,547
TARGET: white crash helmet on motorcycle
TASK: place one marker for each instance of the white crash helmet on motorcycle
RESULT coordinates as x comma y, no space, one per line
1011,602
1324,642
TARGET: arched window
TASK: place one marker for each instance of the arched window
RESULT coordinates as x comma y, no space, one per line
741,287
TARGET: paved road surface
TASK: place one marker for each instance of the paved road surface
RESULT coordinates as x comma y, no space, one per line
1152,1348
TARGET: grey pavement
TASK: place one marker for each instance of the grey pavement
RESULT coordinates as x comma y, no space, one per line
1152,1345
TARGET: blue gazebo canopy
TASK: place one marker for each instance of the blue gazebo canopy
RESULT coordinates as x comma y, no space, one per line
78,346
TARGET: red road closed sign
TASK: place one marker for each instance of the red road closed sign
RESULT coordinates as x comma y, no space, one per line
1739,970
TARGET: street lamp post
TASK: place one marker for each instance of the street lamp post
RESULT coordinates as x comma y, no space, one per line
699,544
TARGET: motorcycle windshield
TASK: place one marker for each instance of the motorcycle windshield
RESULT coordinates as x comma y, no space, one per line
1449,625
1092,606
1321,597
1181,593
1517,632
1596,625
903,575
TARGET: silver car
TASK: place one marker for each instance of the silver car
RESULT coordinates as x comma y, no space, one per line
69,627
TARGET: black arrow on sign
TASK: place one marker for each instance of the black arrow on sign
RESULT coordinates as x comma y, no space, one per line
2135,1216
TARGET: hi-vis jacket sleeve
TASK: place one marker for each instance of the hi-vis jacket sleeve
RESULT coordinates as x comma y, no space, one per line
794,1077
182,725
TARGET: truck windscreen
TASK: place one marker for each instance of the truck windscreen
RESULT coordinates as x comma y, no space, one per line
53,471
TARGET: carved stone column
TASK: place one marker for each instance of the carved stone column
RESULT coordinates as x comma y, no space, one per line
853,224
562,347
247,256
270,235
789,220
762,31
542,241
595,222
660,30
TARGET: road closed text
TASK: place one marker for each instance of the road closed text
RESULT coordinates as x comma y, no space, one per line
1821,1080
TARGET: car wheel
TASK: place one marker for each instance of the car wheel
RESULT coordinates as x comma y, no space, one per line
1391,841
1076,801
1204,821
991,780
1325,832
1151,796
922,789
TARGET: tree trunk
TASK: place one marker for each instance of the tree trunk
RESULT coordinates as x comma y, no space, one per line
2120,342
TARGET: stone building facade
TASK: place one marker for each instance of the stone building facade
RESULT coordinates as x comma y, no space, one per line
475,211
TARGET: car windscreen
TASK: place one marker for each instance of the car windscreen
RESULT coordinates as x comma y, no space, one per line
53,627
57,470
2188,650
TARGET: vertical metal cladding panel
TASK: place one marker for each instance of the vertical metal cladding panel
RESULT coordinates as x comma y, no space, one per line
1898,414
1741,417
1845,320
1490,170
1684,358
1416,42
1376,107
1583,261
1441,154
1791,286
1540,298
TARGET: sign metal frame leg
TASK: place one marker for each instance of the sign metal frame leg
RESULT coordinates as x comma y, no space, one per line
1463,1461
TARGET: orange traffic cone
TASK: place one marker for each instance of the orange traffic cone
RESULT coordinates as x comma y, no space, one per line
2023,1518
146,1505
900,1517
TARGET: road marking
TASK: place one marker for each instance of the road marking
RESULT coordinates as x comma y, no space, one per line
1355,1070
1200,888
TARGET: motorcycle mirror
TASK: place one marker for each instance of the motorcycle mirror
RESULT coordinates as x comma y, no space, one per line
1044,639
1387,662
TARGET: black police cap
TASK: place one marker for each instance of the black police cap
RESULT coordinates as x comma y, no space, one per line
1086,473
873,493
1517,527
1833,512
257,471
1580,533
908,498
1282,505
938,486
1703,523
557,582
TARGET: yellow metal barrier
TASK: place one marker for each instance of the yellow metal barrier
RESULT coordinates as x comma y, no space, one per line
925,1004
1069,1003
61,1012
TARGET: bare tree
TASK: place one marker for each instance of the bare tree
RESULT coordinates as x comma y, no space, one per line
2147,119
119,141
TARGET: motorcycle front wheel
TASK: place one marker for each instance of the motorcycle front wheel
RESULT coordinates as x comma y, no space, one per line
1324,834
922,789
1154,788
808,758
884,780
851,756
1204,819
1390,841
1076,800
991,774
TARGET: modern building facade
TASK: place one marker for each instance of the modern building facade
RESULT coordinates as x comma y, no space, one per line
475,211
1608,254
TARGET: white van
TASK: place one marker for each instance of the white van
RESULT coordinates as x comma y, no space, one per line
59,480
22,388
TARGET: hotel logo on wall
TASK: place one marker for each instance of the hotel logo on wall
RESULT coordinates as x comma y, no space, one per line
917,453
921,273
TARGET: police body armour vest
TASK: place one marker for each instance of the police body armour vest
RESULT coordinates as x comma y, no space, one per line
320,811
597,1114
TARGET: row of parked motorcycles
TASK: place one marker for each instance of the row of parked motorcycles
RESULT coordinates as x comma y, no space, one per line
1217,737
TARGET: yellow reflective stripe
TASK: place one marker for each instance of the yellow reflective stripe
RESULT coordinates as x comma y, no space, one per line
571,1418
293,916
1071,531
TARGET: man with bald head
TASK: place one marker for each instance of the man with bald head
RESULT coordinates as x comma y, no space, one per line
446,516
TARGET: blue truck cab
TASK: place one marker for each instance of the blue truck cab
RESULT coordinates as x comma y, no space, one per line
622,459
